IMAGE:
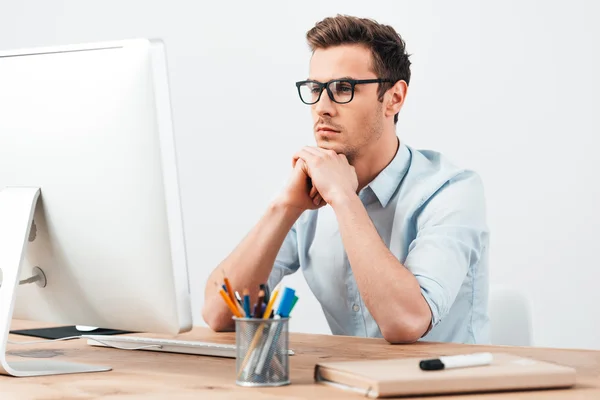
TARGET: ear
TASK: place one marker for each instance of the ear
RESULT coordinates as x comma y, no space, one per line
394,98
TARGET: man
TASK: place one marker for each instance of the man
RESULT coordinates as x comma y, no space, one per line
392,241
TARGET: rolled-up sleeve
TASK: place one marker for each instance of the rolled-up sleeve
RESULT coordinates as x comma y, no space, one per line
451,237
287,261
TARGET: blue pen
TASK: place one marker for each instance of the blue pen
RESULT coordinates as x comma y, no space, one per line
247,303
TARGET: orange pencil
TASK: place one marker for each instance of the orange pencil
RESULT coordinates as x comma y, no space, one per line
228,286
228,301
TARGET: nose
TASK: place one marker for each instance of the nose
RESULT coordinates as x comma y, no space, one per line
325,106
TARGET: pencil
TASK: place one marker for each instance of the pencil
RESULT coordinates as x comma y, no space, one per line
231,306
231,294
267,313
228,286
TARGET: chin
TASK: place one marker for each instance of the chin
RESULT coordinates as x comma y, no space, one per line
328,145
339,148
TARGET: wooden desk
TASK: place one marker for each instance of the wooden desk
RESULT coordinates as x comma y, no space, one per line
152,375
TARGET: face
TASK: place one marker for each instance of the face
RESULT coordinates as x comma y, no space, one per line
346,128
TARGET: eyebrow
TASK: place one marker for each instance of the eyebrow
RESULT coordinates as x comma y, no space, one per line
334,79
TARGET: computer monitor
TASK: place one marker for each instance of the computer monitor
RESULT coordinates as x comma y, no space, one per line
90,213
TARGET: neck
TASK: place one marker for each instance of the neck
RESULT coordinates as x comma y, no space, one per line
370,162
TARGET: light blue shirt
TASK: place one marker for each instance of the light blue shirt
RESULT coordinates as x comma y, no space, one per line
431,215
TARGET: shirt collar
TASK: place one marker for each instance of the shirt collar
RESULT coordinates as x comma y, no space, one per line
385,184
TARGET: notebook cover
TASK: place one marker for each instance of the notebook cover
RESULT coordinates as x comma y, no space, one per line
59,332
403,377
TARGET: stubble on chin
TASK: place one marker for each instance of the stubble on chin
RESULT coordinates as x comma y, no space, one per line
339,148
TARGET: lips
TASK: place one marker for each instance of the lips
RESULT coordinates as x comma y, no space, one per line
323,128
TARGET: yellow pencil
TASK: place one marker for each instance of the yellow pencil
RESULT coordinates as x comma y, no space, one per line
270,304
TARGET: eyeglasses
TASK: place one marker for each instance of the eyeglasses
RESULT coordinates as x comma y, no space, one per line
340,91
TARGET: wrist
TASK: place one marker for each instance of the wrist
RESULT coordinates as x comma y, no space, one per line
344,199
285,209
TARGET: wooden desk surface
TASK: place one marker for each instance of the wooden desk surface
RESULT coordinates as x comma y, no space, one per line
153,375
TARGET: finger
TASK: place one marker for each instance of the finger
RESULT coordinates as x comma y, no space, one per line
306,152
322,202
313,192
298,162
318,152
303,167
307,156
321,153
343,157
297,156
318,199
329,152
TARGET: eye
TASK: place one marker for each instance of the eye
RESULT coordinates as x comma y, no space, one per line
313,87
343,87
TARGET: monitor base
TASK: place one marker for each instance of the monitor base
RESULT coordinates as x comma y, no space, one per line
17,206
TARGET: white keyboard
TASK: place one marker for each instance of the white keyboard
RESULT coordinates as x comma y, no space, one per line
164,345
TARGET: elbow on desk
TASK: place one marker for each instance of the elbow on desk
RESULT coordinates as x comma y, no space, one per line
403,332
217,320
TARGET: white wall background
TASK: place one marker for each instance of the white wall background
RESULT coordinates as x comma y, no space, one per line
508,88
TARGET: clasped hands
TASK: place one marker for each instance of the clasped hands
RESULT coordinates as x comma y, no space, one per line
333,179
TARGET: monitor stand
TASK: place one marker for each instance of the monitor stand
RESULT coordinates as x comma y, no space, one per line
17,206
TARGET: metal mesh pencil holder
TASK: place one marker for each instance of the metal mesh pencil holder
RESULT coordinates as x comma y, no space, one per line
262,347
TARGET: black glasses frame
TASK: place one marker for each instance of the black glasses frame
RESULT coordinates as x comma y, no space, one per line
352,82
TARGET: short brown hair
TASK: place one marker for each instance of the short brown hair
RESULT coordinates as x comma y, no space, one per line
390,60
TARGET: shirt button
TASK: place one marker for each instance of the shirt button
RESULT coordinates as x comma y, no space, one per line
356,308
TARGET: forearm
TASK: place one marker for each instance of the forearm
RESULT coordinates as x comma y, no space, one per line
249,264
389,290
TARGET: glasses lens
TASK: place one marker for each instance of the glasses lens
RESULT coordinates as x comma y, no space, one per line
342,91
309,91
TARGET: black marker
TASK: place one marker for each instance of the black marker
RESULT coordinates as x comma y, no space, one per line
461,361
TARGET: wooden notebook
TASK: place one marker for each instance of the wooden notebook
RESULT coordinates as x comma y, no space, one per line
403,377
